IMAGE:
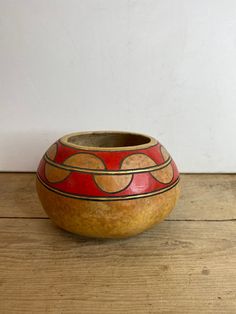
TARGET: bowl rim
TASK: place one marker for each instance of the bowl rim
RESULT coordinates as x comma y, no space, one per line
65,140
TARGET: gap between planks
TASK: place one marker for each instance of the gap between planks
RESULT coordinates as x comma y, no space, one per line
177,220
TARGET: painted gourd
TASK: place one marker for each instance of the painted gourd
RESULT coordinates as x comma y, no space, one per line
107,184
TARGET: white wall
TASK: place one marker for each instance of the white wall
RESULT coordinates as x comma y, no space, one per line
165,68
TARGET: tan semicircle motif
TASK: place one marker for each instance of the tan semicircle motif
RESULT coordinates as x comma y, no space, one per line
164,175
55,174
52,151
113,183
164,153
84,160
137,161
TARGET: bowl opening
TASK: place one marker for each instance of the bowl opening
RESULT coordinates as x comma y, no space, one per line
108,139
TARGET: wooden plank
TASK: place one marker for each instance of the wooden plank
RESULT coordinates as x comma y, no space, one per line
207,197
178,267
18,196
204,197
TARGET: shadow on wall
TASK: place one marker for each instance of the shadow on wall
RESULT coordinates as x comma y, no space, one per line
23,150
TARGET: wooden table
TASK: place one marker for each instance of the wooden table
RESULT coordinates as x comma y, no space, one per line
187,264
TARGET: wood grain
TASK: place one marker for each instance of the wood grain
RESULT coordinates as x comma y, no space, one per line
187,264
179,267
203,197
18,196
207,197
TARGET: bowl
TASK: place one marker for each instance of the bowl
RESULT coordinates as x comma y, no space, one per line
107,184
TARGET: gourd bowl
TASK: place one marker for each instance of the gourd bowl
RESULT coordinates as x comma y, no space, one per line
107,184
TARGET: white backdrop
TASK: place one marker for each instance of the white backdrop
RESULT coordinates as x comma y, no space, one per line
162,67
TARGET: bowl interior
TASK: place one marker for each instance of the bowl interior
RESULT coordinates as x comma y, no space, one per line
108,139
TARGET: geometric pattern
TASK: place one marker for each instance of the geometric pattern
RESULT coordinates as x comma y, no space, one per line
107,175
